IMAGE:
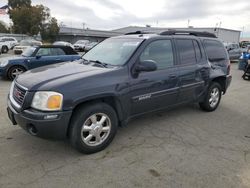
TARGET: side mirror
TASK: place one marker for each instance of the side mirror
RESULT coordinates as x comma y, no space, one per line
146,66
38,56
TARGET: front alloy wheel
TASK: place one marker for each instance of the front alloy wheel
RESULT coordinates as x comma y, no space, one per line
93,127
15,71
96,129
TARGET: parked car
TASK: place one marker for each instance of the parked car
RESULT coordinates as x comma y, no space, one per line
7,43
0,48
244,44
80,45
119,79
34,57
63,43
89,46
24,44
234,50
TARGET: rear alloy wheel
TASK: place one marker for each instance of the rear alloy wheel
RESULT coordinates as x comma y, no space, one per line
5,49
212,99
15,71
93,127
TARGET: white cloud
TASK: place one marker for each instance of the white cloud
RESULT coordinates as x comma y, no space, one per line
142,8
111,14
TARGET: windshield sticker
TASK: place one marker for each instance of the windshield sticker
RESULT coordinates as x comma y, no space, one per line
131,43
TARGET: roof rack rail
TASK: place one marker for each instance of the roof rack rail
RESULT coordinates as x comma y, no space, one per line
185,32
137,33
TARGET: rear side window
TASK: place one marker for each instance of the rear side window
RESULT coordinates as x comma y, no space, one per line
215,50
186,51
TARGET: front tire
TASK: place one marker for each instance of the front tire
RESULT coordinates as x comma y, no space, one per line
14,71
93,127
212,99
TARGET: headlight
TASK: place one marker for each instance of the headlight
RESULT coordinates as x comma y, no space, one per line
3,63
47,101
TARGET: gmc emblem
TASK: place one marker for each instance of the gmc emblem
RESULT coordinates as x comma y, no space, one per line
17,93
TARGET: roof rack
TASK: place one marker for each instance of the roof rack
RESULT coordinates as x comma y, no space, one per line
185,32
137,33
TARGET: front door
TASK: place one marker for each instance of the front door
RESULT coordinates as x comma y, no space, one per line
158,89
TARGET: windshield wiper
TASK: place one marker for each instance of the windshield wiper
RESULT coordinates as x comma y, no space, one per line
85,61
99,63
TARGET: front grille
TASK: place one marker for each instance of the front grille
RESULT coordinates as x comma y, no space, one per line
18,94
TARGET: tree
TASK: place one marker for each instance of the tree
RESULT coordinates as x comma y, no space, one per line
31,20
50,30
13,4
3,28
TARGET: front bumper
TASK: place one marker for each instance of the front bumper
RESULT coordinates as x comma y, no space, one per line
2,71
35,123
18,51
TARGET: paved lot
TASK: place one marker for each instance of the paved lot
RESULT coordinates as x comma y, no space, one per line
184,147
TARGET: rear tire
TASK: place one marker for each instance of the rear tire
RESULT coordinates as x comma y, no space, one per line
93,127
212,98
14,71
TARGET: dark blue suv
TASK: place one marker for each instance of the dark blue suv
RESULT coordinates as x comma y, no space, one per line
119,79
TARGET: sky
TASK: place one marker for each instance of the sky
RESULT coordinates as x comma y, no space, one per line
113,14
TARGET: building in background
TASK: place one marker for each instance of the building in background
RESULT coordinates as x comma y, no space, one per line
226,35
73,34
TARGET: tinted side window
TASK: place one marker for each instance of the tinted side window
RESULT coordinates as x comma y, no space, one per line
186,51
215,50
197,50
57,51
43,52
161,52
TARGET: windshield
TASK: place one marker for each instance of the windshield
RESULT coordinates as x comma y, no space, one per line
113,51
28,52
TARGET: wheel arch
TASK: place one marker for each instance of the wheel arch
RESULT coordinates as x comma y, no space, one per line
113,101
222,81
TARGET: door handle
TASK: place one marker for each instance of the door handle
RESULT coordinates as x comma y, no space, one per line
58,59
203,70
172,76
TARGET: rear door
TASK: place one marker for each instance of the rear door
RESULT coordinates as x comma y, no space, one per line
191,69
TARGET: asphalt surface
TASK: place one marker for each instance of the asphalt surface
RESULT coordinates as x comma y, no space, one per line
183,147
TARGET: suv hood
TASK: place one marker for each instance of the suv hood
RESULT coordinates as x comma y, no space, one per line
53,76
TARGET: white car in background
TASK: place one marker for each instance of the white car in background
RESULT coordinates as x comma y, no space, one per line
80,45
7,43
24,44
89,46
